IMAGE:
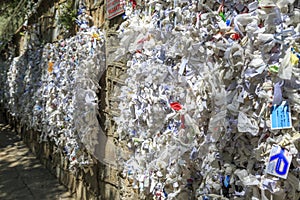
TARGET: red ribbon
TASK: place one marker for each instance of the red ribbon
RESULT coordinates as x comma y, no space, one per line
176,106
182,121
235,36
133,3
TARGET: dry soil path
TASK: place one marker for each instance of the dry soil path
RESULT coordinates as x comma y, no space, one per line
21,174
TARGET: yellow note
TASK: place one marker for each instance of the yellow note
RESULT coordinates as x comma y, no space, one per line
50,67
96,36
294,59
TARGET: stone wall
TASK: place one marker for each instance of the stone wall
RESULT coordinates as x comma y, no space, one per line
101,181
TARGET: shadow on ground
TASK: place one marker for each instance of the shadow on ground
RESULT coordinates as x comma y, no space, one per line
21,174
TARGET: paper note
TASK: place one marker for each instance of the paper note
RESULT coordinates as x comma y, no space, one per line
279,162
281,116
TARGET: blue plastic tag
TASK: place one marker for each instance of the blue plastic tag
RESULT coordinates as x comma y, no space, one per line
281,116
227,181
279,162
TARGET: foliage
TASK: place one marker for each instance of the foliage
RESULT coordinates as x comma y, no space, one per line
7,8
68,15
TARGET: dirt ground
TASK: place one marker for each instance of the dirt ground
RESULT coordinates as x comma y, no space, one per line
21,174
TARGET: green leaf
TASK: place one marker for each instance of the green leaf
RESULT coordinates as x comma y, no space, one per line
222,16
